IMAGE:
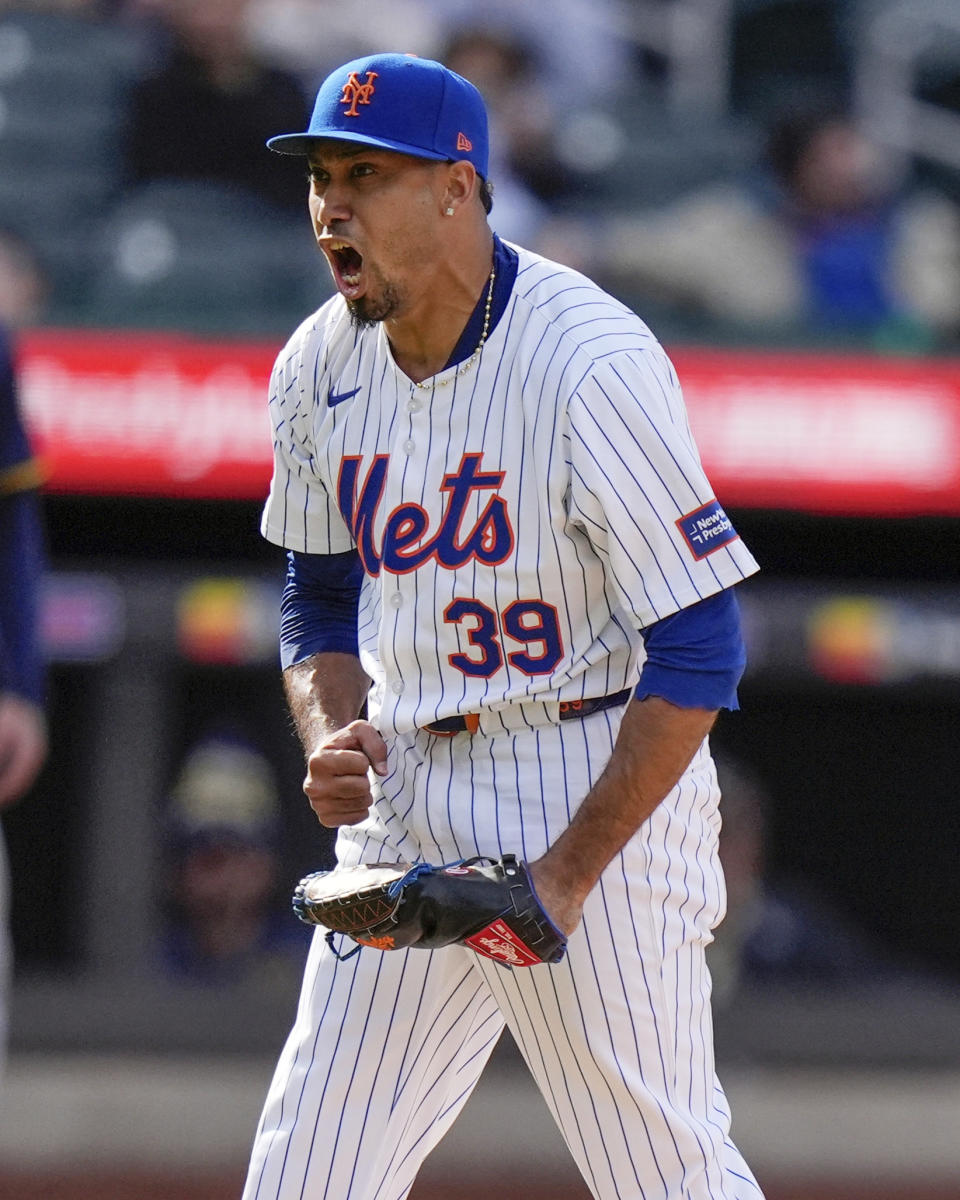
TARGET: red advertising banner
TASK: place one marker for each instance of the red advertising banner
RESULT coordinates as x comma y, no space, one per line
143,414
827,433
136,414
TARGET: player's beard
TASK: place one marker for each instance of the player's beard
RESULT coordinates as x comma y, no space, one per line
371,310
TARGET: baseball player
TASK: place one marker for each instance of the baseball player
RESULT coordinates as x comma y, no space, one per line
501,541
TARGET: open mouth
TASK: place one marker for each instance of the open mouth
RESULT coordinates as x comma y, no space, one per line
348,268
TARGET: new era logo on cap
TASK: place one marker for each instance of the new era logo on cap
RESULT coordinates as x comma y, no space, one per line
398,102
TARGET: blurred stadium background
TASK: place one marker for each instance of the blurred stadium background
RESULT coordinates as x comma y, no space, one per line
154,261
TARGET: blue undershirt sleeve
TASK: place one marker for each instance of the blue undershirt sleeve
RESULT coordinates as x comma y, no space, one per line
696,657
318,610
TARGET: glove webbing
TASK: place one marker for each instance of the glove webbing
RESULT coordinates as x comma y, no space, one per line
392,892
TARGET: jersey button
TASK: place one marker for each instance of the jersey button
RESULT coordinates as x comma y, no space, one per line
396,600
409,446
397,686
414,405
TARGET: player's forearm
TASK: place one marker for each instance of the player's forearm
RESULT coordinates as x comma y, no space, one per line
324,693
656,743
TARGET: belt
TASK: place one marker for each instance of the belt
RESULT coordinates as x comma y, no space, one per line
570,710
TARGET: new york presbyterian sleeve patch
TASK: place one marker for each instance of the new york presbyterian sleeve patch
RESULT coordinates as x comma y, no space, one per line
706,529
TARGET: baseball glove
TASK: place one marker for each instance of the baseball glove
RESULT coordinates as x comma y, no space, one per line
487,904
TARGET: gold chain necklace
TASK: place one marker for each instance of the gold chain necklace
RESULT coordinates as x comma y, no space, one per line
430,384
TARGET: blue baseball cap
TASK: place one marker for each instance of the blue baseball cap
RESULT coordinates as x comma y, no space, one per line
398,102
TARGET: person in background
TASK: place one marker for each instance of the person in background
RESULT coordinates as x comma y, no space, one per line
530,175
210,87
225,920
821,242
781,931
585,48
310,37
523,117
24,288
23,727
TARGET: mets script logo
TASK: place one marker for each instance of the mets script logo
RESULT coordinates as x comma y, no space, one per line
408,541
355,92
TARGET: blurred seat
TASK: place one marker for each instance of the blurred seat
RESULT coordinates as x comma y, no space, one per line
782,50
639,155
206,258
62,78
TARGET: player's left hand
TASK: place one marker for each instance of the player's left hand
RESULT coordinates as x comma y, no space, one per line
486,904
563,907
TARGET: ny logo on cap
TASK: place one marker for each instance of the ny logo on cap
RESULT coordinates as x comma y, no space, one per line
355,92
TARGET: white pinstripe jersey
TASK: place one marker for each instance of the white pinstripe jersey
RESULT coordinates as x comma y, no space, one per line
518,524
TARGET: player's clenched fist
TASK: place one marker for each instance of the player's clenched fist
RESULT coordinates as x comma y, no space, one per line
337,783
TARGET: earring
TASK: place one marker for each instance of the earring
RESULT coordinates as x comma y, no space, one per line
448,212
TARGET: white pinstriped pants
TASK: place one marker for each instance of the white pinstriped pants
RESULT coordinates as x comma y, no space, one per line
387,1047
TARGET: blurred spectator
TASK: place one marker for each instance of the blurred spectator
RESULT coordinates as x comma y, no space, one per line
525,171
780,932
559,91
23,730
24,288
312,37
228,909
820,242
209,107
523,120
584,47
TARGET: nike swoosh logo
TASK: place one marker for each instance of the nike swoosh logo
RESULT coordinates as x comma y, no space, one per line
335,398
